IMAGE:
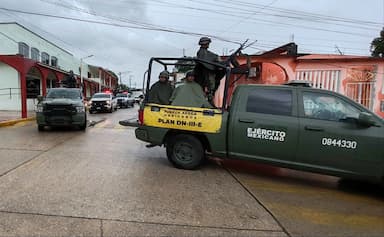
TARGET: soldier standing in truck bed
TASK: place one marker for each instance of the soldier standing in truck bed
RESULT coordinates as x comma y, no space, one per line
207,75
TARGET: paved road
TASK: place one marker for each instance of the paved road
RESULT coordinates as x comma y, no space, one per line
103,182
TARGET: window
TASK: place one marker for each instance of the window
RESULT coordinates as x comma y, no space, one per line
45,58
361,92
325,79
53,61
24,49
270,101
35,54
327,107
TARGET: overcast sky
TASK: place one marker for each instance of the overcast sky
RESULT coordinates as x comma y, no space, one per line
123,34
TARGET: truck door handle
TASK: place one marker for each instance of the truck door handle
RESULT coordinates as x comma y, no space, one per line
311,128
243,120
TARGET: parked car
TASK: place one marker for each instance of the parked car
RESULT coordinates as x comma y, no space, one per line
61,107
103,102
125,100
138,95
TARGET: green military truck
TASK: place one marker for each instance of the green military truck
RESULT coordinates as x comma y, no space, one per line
293,126
61,107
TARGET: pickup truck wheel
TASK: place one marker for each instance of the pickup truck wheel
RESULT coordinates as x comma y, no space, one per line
185,152
83,126
40,127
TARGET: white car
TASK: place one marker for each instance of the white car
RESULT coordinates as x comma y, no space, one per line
125,100
103,102
138,95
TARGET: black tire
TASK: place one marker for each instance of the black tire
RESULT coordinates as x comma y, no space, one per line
185,151
40,128
83,126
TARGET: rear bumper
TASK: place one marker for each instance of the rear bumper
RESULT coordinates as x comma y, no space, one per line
129,122
141,134
152,135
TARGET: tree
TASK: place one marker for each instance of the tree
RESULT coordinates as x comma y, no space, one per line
377,46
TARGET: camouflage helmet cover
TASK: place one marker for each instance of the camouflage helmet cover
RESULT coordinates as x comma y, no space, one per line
164,74
204,40
190,73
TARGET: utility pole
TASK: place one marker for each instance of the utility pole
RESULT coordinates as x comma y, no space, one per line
130,79
81,73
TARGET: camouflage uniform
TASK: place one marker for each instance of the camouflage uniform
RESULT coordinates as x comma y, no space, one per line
70,80
190,94
207,75
161,91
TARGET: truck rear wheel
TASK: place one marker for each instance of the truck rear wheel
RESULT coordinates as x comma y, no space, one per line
185,151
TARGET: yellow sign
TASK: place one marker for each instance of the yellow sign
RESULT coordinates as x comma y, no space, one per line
183,118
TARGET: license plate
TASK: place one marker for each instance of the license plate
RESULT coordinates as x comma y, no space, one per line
98,107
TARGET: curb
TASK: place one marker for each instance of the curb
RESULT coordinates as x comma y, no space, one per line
15,121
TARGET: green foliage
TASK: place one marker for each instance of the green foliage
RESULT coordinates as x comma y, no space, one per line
122,87
377,46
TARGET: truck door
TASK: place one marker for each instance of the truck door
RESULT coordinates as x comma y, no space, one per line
264,124
329,140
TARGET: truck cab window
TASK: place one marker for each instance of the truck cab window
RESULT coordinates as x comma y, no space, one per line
327,107
270,101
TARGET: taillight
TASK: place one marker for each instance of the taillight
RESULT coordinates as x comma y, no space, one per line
141,116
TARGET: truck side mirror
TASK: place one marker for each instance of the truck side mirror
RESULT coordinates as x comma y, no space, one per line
366,119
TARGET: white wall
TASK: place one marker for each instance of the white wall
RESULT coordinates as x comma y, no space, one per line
10,99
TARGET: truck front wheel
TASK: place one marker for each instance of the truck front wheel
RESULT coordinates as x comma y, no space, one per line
185,151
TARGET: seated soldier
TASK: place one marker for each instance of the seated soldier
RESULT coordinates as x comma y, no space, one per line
161,91
190,94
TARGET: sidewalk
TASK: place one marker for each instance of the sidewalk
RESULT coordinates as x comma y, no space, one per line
9,118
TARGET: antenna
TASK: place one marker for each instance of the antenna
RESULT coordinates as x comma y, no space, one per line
338,50
292,38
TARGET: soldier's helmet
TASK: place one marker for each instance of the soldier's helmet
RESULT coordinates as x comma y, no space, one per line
190,73
204,40
164,74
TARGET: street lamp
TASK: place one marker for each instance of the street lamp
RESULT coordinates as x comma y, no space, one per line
81,69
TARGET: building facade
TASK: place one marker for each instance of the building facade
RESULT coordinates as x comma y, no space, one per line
30,65
358,77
